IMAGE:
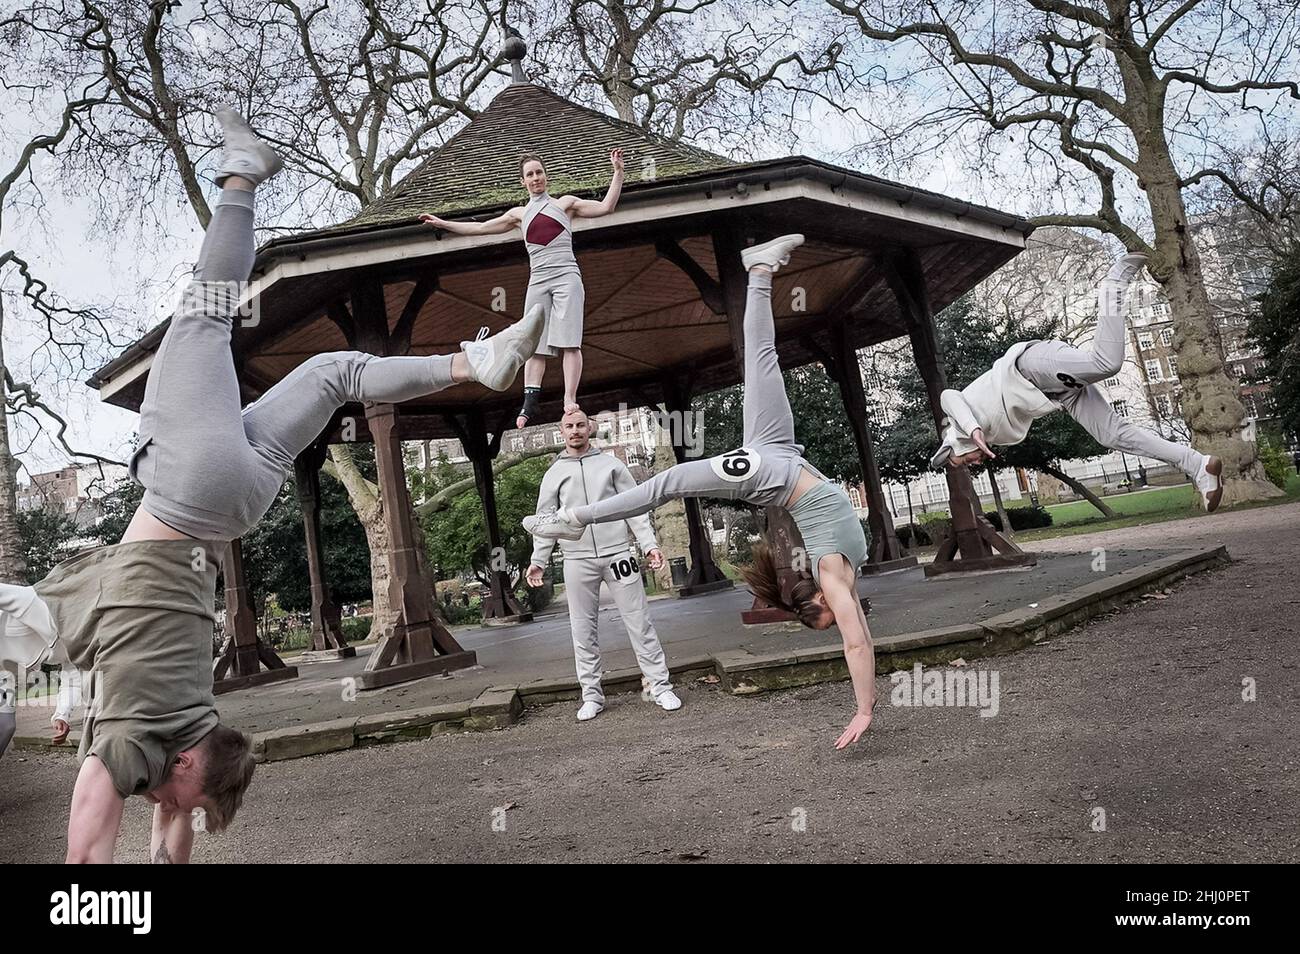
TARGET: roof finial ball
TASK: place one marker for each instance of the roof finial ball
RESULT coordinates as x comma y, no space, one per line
514,50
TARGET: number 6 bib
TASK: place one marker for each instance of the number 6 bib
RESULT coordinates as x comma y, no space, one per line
736,465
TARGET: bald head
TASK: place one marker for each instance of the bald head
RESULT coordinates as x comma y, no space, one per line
576,429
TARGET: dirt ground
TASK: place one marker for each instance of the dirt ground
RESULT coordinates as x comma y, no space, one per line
1136,721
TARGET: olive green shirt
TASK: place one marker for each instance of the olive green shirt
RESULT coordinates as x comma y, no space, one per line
139,616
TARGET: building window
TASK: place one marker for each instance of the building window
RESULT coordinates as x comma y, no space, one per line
1239,370
1173,366
1112,382
1153,370
1167,337
1145,341
1252,409
1162,405
557,437
1121,407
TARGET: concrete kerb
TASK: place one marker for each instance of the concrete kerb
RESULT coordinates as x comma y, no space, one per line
740,672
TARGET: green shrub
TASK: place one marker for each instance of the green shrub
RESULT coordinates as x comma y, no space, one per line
937,525
905,537
1276,465
1022,518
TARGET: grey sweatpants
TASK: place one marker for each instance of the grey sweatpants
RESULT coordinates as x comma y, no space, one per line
210,469
765,470
1069,375
582,579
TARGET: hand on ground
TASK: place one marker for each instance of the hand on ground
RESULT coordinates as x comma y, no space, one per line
853,731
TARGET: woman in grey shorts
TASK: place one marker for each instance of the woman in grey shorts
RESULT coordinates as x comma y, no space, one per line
769,471
554,280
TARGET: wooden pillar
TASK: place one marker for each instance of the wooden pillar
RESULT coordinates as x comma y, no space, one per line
886,552
243,655
973,544
705,576
418,645
500,607
327,640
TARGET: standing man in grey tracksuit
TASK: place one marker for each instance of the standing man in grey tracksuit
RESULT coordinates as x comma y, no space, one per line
580,475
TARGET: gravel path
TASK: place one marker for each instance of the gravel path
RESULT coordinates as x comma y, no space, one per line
1138,715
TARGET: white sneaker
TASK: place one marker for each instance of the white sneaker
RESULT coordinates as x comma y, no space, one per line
495,361
1126,268
554,525
1209,481
773,254
589,711
668,701
245,155
946,449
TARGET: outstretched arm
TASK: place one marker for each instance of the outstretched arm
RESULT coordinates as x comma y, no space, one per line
590,208
859,652
96,815
172,838
500,225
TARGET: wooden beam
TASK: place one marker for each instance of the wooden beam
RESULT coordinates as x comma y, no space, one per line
708,287
425,286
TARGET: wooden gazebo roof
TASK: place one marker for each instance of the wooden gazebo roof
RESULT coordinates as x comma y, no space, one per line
655,308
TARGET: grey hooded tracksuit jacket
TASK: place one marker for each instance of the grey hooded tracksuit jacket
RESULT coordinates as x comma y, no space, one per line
602,554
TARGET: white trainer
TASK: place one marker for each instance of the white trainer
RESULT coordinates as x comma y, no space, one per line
773,254
589,711
245,155
495,361
554,525
1126,268
1209,481
668,701
946,449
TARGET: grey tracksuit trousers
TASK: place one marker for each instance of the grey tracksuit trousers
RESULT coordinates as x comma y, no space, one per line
621,573
1066,375
211,469
765,470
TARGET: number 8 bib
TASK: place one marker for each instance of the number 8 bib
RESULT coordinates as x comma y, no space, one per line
736,465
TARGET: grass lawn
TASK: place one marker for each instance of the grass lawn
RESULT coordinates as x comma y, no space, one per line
1151,506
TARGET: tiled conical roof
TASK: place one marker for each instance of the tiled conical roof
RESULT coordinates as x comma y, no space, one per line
479,166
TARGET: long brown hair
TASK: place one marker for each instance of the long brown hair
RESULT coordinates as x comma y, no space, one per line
762,580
